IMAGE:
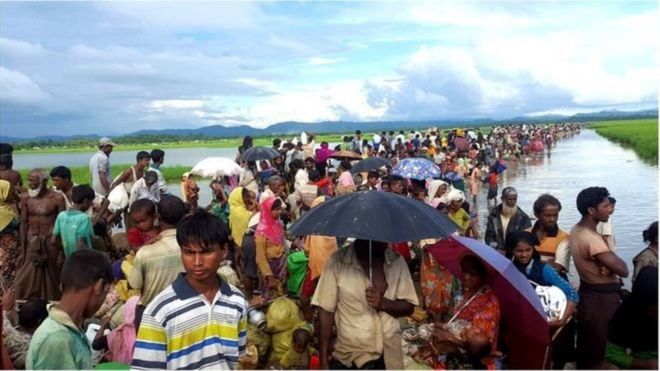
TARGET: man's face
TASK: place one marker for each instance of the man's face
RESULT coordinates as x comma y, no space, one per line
372,181
549,216
107,149
276,187
397,187
201,264
602,211
309,165
510,199
59,182
34,181
144,162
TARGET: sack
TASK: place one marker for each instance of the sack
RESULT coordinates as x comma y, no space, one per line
553,300
118,199
283,314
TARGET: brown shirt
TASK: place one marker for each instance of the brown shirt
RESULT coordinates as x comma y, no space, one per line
363,334
585,245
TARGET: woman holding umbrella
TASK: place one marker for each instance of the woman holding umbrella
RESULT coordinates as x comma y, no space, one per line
269,239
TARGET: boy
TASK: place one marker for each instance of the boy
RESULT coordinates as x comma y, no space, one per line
199,321
60,342
73,227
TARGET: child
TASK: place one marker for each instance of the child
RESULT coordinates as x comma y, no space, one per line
197,302
297,357
17,339
219,205
491,178
60,342
143,213
73,228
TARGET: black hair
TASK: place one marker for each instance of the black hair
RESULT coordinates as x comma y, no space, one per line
6,148
84,268
373,174
204,229
590,197
143,205
314,175
358,132
157,155
650,235
60,172
151,176
296,163
543,201
513,238
612,200
142,155
6,160
309,159
418,190
32,313
475,263
277,142
345,165
301,336
171,209
81,193
396,178
276,204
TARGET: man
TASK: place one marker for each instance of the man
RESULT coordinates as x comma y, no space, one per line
275,189
157,160
365,313
99,167
356,143
145,187
40,274
62,184
373,178
398,185
157,265
554,242
605,228
199,321
7,173
507,217
60,342
599,269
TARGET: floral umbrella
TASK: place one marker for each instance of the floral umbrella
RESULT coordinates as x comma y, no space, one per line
416,168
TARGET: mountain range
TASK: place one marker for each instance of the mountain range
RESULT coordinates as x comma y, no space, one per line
293,127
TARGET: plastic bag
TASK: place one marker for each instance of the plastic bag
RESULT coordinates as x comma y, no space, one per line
297,266
283,314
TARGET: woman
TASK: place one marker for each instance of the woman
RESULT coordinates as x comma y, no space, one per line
318,249
248,177
457,213
633,332
649,256
9,227
189,190
437,189
520,248
345,183
269,239
322,156
242,204
438,285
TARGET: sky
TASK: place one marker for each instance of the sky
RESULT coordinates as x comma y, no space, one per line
110,68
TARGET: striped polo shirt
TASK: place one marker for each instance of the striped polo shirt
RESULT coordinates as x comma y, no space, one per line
180,329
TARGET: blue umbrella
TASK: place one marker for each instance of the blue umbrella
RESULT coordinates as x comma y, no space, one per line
416,168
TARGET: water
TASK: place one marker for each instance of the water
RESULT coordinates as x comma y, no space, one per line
582,161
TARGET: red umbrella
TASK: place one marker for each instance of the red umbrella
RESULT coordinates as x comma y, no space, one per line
526,333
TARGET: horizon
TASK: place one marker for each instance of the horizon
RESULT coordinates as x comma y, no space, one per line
118,67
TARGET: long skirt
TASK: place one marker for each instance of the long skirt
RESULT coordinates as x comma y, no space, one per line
39,277
9,255
278,267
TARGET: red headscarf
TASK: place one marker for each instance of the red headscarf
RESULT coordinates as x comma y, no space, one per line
268,227
323,153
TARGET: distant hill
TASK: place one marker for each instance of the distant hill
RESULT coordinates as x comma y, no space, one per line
293,127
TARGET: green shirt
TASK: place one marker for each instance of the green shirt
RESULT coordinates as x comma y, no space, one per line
72,225
58,344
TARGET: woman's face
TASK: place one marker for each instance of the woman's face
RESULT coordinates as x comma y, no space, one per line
441,191
250,199
523,252
455,205
470,279
276,211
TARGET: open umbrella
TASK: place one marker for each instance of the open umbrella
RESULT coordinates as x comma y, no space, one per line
416,168
216,167
346,155
527,334
259,153
368,164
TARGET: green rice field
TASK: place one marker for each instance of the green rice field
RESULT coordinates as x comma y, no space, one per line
81,175
639,135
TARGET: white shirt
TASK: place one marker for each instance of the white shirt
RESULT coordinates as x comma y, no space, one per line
140,191
100,162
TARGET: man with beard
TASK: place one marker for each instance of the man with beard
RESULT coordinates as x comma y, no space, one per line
39,275
554,241
507,217
600,270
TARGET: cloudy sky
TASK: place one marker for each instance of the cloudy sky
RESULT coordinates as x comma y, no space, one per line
115,67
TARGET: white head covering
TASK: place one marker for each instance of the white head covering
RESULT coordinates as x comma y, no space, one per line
433,187
455,195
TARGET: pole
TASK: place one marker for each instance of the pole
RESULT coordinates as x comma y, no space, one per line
371,280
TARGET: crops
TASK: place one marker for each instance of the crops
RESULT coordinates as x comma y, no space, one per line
639,135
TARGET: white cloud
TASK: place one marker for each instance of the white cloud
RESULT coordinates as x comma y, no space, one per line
163,104
19,88
319,61
19,48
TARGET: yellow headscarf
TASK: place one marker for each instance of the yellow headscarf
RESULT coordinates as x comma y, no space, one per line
239,215
319,248
7,213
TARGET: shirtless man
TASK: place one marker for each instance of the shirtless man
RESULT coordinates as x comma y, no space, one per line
7,173
39,275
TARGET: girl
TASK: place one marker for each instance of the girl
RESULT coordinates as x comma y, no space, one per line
144,232
269,239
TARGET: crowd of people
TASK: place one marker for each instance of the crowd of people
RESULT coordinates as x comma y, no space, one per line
123,272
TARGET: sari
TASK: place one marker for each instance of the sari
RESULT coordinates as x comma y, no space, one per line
272,231
239,215
9,246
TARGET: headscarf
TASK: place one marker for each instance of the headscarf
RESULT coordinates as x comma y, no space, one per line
323,153
7,213
239,215
433,187
184,179
122,339
454,195
319,248
268,227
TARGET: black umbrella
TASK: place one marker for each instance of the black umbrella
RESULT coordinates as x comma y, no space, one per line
371,163
375,216
259,153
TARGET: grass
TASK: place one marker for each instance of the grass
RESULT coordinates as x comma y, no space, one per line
639,135
81,175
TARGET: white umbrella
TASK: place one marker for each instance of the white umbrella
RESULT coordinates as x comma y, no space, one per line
215,167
